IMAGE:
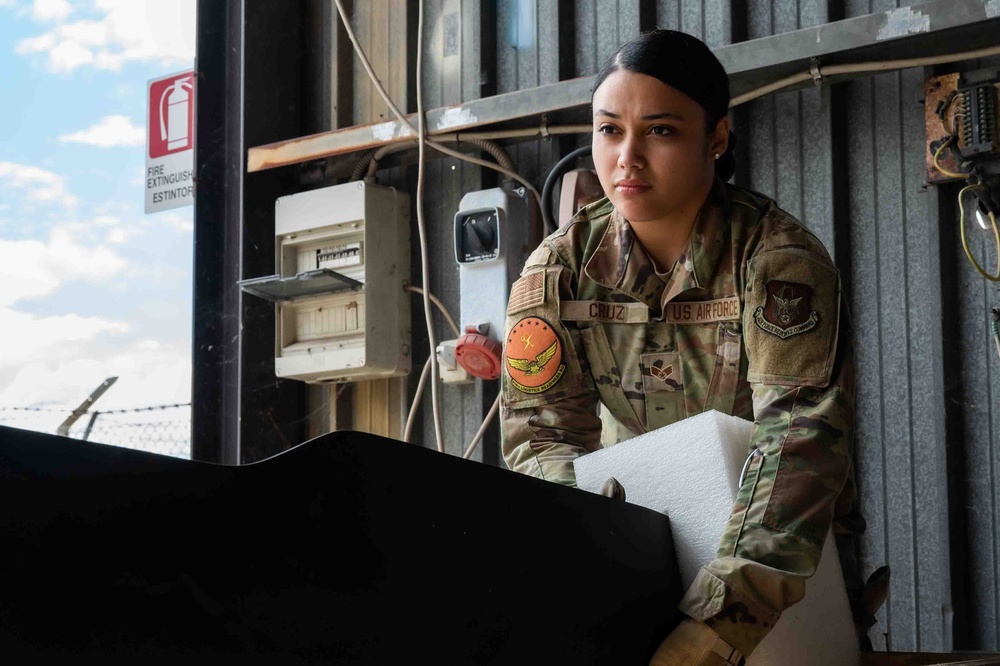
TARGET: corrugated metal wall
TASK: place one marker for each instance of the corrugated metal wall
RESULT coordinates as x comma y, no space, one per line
849,161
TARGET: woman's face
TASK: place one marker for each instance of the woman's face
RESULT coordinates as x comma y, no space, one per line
651,147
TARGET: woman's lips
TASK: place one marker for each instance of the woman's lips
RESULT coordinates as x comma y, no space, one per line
631,187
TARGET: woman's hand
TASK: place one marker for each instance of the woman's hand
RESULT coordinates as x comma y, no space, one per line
693,643
613,489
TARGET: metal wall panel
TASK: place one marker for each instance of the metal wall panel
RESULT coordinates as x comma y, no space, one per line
602,27
710,20
896,302
972,381
977,398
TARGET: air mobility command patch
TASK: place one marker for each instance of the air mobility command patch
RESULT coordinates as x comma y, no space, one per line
786,312
533,356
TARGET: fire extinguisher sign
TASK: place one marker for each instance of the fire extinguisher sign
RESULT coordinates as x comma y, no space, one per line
170,142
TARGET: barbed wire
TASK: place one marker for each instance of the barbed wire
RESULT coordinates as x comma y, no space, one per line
167,437
67,410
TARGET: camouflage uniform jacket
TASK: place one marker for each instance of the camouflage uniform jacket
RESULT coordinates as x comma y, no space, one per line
600,347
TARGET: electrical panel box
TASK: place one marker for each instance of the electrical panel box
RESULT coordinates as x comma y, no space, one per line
343,260
962,111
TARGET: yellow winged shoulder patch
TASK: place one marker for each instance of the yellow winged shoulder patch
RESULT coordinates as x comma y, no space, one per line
533,356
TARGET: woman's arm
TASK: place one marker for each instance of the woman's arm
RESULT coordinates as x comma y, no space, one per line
801,369
548,404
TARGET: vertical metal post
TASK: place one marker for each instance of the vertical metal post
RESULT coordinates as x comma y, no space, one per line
90,426
217,214
250,81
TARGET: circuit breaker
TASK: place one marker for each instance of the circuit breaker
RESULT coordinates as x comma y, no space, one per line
493,231
342,259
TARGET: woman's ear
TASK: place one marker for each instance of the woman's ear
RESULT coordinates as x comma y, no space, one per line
720,138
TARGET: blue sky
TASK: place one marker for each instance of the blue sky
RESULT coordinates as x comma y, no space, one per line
89,285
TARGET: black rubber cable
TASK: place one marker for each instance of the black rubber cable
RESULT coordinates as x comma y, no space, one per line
550,183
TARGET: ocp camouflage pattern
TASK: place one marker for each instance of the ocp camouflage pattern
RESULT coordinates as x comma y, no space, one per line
794,382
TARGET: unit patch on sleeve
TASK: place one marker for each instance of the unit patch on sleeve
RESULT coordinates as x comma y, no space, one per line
787,310
533,356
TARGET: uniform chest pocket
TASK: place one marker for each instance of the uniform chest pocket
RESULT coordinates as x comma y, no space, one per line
710,358
613,372
726,377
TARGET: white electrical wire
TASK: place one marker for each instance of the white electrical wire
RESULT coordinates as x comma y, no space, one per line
418,395
422,142
421,225
411,416
425,266
402,118
444,311
482,429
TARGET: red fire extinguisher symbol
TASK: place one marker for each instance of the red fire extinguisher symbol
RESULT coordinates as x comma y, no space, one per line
171,114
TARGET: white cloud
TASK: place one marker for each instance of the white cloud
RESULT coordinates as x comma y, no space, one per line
32,268
28,336
149,372
115,130
180,223
51,10
40,184
124,31
120,235
107,221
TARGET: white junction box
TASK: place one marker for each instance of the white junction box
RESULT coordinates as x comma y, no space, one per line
343,260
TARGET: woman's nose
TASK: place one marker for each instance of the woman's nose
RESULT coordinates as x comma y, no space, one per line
631,154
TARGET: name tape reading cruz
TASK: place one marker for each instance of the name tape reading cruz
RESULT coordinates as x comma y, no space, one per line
695,312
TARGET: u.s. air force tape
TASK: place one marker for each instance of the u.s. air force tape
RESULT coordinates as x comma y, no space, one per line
703,312
606,311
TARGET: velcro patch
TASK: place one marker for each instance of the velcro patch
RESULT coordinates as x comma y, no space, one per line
533,356
787,311
527,292
661,372
604,311
703,312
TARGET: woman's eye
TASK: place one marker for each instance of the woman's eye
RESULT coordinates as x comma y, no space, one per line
661,130
607,129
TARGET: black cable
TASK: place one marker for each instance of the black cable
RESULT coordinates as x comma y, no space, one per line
550,182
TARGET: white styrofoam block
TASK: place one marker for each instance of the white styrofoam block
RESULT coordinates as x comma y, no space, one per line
690,471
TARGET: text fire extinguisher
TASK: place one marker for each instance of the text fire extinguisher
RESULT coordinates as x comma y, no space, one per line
175,130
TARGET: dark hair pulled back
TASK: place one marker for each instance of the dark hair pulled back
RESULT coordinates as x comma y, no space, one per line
684,63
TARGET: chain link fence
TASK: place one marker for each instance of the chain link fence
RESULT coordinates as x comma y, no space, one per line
167,433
